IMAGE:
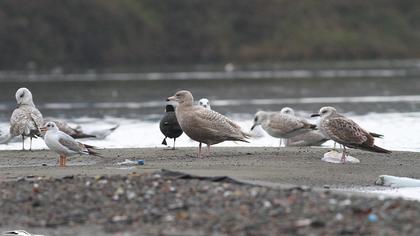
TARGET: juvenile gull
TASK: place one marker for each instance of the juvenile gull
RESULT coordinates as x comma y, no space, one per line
26,118
78,132
66,128
204,125
102,133
310,138
346,132
281,125
64,144
169,125
204,102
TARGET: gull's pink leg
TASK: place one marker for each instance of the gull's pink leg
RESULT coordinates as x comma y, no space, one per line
62,161
343,157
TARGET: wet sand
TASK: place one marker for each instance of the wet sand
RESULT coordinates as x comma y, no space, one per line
269,166
95,196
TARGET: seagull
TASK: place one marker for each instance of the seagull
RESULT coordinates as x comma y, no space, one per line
288,111
26,118
78,133
169,125
346,132
64,144
281,125
204,125
204,102
310,138
65,127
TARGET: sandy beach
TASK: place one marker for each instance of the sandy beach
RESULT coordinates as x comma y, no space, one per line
271,166
96,196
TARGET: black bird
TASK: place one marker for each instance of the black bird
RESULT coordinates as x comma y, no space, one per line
169,125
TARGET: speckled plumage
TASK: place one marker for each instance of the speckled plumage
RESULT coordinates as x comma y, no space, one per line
282,125
26,119
205,125
65,127
345,131
309,138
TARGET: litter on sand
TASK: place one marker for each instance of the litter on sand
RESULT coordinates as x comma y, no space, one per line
335,157
130,162
397,182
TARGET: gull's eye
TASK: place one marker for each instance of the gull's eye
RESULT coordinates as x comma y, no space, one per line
48,125
21,95
201,103
256,119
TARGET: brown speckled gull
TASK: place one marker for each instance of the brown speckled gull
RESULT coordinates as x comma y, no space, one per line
346,132
26,119
204,125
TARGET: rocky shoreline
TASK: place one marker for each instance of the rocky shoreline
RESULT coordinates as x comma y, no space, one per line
162,204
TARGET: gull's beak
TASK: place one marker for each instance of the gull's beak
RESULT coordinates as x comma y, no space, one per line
173,98
253,126
316,114
43,129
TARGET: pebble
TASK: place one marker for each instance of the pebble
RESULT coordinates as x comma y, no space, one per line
119,204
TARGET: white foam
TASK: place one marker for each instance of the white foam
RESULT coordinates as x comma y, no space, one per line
400,132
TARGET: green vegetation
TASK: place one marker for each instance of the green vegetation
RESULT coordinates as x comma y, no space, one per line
136,33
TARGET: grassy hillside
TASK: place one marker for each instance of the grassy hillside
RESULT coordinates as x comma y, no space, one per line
132,33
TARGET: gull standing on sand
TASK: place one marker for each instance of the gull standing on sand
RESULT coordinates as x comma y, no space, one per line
204,102
281,125
64,144
204,125
310,138
26,118
346,132
169,125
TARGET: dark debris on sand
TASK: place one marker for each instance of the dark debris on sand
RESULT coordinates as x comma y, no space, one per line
168,205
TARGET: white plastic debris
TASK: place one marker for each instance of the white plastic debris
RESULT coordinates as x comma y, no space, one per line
397,182
127,162
335,157
19,233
